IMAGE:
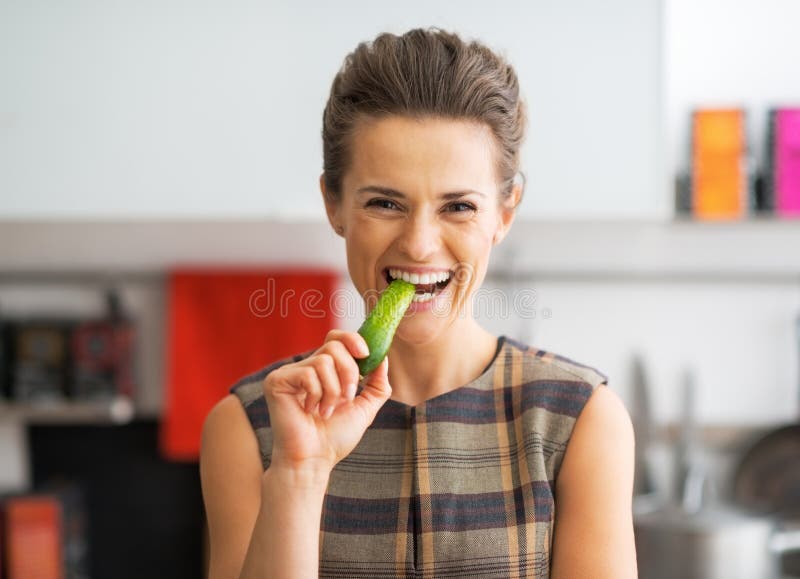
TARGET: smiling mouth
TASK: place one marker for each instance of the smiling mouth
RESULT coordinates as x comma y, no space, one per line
435,282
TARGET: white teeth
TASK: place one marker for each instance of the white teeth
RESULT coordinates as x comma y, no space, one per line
424,278
422,297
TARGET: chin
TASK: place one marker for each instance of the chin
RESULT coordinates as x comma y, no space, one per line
420,330
412,331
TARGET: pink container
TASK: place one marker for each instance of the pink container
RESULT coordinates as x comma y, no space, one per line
787,162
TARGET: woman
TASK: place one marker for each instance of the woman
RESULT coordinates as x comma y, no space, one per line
463,454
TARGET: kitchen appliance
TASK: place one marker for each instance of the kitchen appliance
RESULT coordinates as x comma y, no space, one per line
689,537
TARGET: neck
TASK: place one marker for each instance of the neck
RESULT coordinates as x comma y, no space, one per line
417,372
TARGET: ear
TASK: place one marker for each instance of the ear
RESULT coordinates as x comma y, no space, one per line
332,207
507,212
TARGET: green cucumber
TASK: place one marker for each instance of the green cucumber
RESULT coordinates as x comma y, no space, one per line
379,327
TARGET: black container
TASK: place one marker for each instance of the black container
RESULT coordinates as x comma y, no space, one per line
39,357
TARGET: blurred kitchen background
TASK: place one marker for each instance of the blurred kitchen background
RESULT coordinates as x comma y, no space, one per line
159,166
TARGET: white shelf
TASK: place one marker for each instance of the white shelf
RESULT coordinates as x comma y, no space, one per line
153,245
120,410
759,249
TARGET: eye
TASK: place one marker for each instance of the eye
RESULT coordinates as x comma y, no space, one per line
460,207
382,203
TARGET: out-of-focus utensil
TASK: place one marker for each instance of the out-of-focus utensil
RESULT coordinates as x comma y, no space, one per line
643,483
685,454
767,479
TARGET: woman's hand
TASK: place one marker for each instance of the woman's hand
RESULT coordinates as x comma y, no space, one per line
315,415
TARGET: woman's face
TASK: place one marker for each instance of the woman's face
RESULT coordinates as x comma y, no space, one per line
420,200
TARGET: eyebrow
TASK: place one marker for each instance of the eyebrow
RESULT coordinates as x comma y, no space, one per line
389,192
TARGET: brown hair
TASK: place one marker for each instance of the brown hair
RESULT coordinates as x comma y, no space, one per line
424,72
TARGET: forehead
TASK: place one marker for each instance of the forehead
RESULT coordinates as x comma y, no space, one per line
415,154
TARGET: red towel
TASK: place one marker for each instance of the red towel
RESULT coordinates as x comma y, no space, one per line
223,325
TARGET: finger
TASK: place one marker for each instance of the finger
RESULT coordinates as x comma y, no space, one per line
376,390
346,368
354,342
329,380
308,381
286,380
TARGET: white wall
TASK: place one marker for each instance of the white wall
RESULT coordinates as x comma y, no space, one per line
213,109
739,339
744,53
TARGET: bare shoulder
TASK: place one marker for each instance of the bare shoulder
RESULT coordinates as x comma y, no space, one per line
229,452
604,417
230,474
225,421
602,437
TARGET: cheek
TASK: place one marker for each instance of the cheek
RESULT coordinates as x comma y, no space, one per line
474,244
366,243
474,248
368,237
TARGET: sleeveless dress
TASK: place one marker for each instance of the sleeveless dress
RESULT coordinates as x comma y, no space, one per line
462,485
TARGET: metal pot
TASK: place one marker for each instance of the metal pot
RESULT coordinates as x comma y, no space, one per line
714,543
687,538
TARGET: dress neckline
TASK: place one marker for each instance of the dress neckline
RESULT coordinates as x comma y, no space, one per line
486,372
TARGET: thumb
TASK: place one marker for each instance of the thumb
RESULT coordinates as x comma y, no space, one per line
376,389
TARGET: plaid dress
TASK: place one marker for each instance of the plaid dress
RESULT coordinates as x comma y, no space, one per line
461,485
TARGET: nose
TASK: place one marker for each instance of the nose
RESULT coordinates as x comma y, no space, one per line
420,238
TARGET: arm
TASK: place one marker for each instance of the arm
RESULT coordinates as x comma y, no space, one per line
238,494
593,535
230,474
256,518
266,524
